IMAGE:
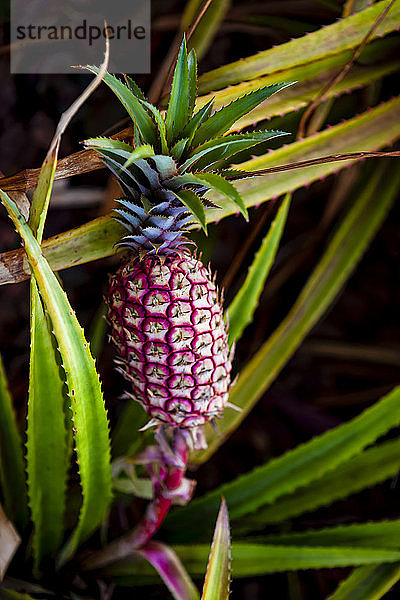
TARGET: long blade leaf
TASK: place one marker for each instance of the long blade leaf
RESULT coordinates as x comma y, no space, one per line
216,584
178,106
132,105
245,302
369,468
222,120
46,437
344,34
368,583
87,405
250,560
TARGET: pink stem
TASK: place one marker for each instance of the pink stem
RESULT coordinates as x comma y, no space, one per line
159,507
169,486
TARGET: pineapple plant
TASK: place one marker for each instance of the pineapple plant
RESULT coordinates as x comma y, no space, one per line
164,308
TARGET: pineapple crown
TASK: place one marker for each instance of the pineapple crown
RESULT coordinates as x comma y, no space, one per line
176,157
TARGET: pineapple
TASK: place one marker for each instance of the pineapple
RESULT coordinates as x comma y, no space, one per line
163,306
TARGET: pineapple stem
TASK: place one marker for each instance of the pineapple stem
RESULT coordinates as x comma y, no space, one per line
170,487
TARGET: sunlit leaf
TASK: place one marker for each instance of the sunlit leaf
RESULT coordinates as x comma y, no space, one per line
87,405
332,39
245,302
178,106
216,584
368,583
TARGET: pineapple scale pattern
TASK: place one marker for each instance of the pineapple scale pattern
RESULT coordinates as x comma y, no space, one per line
167,323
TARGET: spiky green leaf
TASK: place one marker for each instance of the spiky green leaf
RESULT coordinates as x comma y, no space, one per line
245,302
221,121
365,470
133,86
198,118
41,195
249,560
133,106
178,106
219,184
194,204
192,81
108,144
225,147
216,584
162,130
342,35
380,534
87,405
368,583
46,437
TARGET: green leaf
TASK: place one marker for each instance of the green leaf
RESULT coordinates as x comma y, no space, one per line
178,106
329,277
198,118
221,185
178,148
133,105
194,204
135,89
312,78
87,405
212,181
225,147
108,144
216,584
222,120
144,151
46,437
368,583
245,302
249,560
119,151
192,81
166,165
294,469
252,559
12,475
365,470
41,195
162,130
382,534
335,38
